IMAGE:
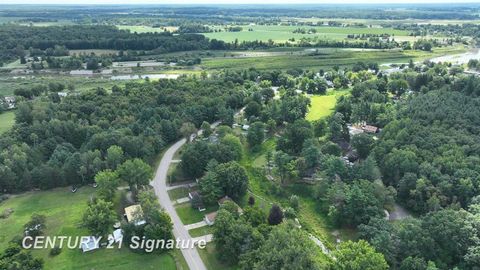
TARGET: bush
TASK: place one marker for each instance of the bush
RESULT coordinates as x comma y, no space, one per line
294,202
55,251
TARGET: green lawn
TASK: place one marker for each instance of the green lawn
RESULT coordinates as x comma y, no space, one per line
178,193
322,106
64,210
7,119
188,215
282,33
209,257
201,231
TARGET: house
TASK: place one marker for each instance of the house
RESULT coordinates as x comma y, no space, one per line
115,237
90,244
210,218
245,127
10,101
223,200
354,130
370,129
193,194
62,94
196,200
134,214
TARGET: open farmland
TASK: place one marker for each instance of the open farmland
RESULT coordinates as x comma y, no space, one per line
282,33
321,58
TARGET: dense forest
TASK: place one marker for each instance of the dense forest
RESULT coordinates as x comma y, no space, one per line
58,143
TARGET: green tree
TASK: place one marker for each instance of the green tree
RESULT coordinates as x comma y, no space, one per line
107,184
187,129
363,143
114,157
136,173
357,256
207,129
275,216
256,134
285,248
99,217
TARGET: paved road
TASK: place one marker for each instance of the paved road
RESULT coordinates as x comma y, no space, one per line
159,184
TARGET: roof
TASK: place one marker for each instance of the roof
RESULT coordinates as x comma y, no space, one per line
116,236
192,194
134,213
224,199
369,128
211,217
227,199
90,244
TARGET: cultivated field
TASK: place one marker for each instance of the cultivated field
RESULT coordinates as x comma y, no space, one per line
322,58
282,33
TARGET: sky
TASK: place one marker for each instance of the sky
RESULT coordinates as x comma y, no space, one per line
229,1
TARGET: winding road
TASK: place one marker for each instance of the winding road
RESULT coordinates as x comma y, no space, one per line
159,184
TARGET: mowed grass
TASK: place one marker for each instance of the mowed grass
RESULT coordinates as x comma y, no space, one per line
178,193
322,106
63,211
201,231
7,119
188,215
282,33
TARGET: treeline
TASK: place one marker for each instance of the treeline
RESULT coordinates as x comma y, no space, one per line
64,142
15,39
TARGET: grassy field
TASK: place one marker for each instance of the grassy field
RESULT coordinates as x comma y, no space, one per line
7,119
64,210
323,58
201,231
178,193
322,106
188,215
209,257
282,33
